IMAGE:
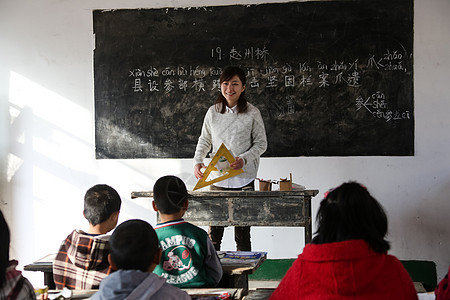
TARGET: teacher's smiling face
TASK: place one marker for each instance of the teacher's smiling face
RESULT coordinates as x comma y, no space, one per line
232,90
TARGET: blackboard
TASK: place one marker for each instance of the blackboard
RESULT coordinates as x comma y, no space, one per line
331,78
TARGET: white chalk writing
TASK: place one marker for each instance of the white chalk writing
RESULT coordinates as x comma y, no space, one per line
273,75
376,105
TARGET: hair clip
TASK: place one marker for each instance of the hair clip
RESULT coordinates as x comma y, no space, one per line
328,192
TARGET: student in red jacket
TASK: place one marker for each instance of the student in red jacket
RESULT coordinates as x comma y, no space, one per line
442,291
347,258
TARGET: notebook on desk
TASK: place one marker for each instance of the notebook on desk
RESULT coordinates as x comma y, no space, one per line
241,258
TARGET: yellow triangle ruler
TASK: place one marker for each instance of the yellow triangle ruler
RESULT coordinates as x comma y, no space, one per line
222,155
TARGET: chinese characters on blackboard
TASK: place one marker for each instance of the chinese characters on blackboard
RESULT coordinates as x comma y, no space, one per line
199,79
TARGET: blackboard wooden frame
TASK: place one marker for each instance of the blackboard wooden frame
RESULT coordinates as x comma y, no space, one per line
331,78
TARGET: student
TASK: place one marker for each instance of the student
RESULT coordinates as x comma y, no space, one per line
348,256
134,253
239,126
188,256
12,284
82,259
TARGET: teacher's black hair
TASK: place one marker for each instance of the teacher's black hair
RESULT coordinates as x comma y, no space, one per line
228,73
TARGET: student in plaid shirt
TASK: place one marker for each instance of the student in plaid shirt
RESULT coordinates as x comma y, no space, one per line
82,259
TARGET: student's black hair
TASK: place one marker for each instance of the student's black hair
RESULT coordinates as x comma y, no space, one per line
349,212
100,201
133,245
228,73
170,194
4,248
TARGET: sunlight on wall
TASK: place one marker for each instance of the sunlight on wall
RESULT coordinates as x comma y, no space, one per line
13,164
50,138
54,137
13,161
14,112
51,162
46,124
43,178
48,105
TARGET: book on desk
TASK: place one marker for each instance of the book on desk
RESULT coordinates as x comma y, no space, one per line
231,258
240,262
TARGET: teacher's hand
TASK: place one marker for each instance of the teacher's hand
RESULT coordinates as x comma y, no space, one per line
197,170
237,164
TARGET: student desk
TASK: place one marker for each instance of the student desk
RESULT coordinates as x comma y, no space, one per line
234,279
195,293
249,208
47,268
236,266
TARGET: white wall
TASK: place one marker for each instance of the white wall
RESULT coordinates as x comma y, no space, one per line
48,156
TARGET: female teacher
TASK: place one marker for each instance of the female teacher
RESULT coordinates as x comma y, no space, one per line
239,126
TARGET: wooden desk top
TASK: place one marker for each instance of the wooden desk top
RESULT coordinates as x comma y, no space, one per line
42,267
208,194
247,263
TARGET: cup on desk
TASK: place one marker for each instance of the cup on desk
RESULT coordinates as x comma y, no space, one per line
265,185
286,184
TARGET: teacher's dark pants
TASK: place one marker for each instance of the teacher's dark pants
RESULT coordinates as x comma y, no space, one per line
241,233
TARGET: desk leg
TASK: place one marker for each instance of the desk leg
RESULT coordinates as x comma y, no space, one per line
48,280
235,281
308,226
